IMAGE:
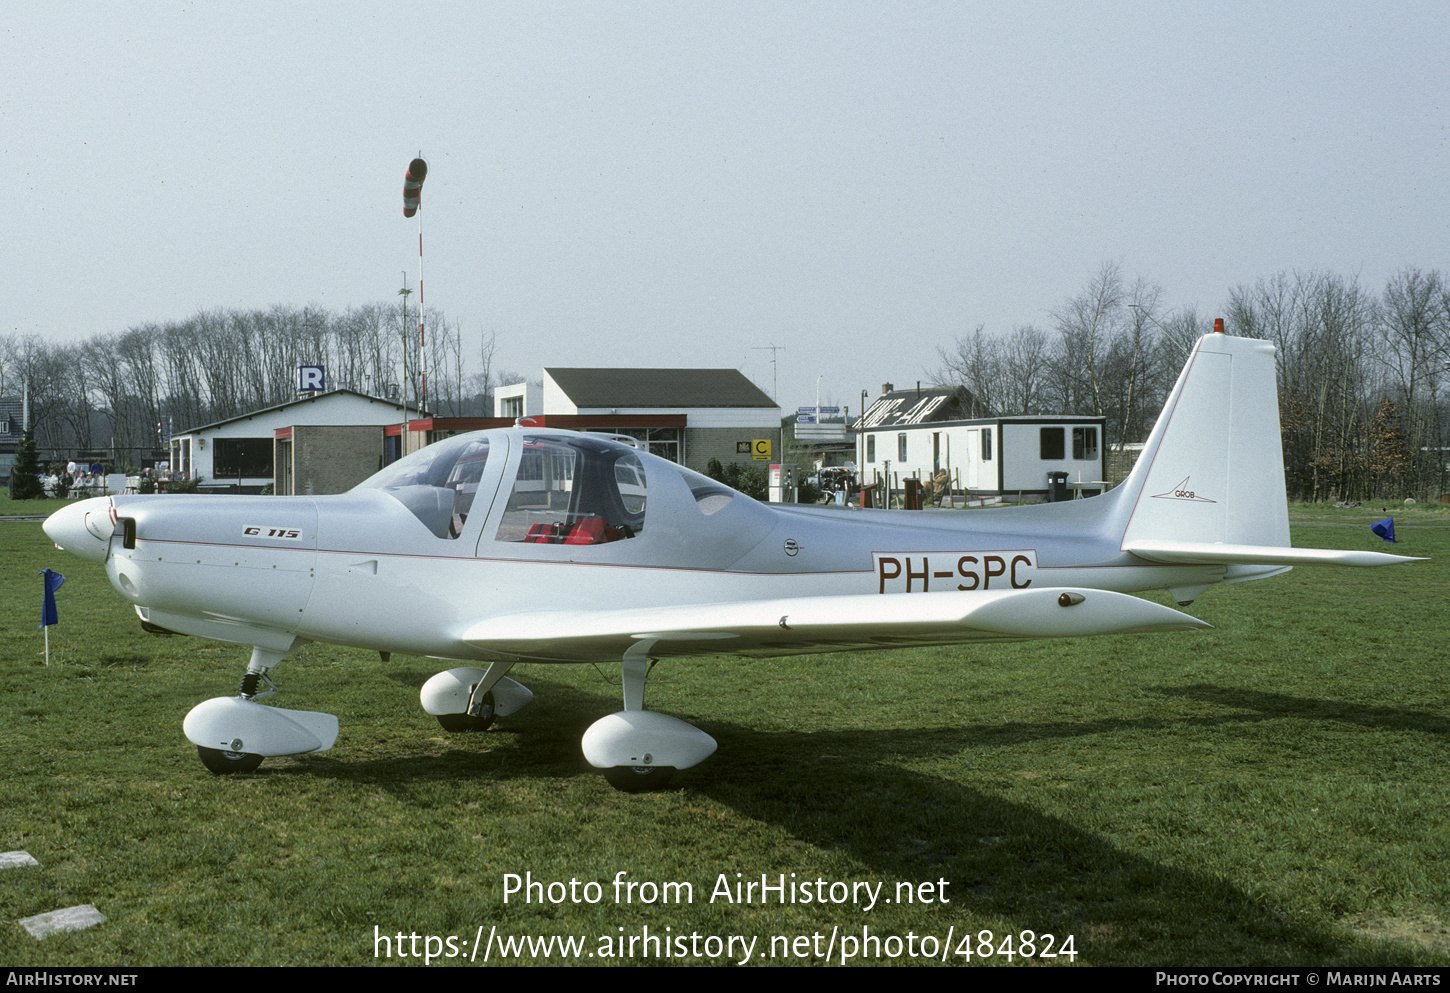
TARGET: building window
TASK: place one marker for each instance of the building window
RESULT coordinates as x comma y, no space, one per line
986,444
1085,443
870,448
512,407
901,448
1051,446
242,457
664,442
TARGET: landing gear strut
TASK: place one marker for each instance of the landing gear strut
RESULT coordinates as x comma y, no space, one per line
468,699
481,721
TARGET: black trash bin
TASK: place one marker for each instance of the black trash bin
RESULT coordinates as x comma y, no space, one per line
1056,487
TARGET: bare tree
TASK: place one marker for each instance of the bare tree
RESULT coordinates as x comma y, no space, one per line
480,384
1130,365
1086,325
107,375
1412,342
1025,368
974,362
1321,325
42,373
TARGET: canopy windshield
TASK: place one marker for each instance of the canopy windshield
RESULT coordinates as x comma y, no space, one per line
437,483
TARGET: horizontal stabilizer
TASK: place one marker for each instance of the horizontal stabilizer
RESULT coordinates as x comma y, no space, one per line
823,624
1213,553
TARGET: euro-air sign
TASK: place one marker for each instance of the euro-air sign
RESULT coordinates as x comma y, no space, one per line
311,378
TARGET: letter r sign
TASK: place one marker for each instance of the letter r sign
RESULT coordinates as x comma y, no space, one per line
311,377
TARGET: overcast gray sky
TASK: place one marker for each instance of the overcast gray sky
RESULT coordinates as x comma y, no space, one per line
680,184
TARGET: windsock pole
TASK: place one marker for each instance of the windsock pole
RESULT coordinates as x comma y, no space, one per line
407,383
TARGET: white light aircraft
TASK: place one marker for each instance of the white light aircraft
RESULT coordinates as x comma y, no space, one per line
538,545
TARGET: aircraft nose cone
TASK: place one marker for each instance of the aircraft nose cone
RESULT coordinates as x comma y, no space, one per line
83,529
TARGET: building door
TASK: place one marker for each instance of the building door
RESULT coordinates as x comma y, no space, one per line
282,463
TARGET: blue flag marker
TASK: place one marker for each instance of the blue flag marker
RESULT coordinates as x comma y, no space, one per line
1385,529
48,614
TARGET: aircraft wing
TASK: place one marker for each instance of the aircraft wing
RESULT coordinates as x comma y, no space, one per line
1211,553
800,625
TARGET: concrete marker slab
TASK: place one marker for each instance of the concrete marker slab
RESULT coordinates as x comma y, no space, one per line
69,919
14,860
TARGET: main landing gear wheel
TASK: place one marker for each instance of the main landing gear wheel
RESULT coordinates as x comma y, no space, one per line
222,763
639,778
468,722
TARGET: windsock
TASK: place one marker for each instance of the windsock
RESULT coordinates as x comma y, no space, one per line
413,186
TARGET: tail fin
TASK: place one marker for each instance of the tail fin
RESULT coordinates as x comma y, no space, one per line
1213,469
1209,485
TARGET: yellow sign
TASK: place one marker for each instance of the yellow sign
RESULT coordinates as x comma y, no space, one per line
760,449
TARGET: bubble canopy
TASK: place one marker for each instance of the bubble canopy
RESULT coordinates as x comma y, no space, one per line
566,489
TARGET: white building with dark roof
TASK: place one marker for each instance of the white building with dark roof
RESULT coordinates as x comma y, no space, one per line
326,443
685,415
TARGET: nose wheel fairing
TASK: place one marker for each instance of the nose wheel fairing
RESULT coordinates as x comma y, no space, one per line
240,726
234,733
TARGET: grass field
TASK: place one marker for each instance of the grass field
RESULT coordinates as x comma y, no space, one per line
1272,791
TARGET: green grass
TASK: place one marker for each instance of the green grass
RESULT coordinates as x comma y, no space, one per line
9,506
1271,791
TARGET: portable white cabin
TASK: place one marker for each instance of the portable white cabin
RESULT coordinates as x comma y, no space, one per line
989,455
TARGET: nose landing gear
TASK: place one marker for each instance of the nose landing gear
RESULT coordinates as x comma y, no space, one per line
234,733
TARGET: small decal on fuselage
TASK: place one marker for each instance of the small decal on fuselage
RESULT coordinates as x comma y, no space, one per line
1182,492
282,534
925,572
